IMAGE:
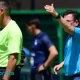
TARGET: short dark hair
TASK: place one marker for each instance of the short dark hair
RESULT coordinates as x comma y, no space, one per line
5,4
73,12
35,22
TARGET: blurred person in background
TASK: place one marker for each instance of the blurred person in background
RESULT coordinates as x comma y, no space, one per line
10,44
70,23
25,61
26,51
43,52
24,58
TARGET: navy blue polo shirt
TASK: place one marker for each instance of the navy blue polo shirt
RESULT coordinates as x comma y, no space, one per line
40,50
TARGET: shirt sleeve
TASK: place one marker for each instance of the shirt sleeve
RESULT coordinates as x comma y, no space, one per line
14,42
47,41
76,32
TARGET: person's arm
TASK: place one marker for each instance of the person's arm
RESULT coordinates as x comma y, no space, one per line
14,48
58,67
66,26
11,66
52,53
62,64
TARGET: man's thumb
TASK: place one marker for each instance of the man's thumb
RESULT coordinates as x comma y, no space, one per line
52,5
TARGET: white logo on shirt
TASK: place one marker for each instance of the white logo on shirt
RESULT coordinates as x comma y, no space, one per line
35,42
32,54
32,59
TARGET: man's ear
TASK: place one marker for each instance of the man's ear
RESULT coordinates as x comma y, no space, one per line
2,10
33,26
76,22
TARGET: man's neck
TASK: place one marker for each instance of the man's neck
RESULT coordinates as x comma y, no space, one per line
37,31
6,20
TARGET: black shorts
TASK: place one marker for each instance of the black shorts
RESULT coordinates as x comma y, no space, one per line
42,75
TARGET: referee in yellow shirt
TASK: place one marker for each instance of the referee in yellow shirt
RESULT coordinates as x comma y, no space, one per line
10,44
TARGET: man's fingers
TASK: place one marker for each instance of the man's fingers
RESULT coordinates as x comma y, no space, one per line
48,10
58,68
47,7
55,72
55,68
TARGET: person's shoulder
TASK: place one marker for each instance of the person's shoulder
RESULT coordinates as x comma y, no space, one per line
44,35
77,29
13,27
14,24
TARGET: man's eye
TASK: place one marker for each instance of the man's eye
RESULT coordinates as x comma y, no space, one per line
68,20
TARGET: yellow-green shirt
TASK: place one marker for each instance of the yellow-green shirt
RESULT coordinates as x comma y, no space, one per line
10,42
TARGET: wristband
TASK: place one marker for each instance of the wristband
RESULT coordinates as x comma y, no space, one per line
44,66
58,17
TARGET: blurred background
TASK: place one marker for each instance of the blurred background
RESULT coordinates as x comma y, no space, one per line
23,10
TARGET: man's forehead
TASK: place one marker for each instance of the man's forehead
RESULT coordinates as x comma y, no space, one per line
69,16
